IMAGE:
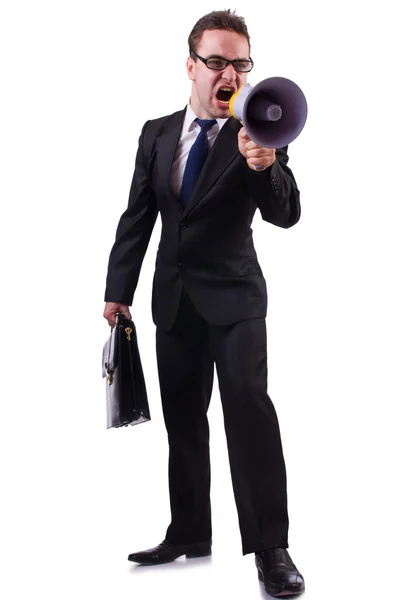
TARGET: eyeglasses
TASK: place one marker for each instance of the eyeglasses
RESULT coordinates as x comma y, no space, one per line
218,63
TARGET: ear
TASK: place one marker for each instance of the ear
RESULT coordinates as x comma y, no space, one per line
191,68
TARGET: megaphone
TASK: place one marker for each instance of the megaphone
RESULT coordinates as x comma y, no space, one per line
273,113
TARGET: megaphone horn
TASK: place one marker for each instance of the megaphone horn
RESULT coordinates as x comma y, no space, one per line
273,113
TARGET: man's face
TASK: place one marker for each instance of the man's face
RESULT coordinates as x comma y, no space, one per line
206,100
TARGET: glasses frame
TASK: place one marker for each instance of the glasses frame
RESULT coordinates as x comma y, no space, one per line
229,62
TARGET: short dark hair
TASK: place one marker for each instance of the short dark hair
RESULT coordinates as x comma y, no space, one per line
217,19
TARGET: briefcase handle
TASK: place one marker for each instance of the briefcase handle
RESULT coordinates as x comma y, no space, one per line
128,330
108,366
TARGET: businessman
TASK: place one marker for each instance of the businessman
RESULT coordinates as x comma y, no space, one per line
199,169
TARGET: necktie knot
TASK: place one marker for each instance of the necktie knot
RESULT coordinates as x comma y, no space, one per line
205,124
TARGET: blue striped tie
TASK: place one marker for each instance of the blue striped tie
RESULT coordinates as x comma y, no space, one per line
197,155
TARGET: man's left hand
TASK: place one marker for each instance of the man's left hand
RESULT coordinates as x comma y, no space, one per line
258,158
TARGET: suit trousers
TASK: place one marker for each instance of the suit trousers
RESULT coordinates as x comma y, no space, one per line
186,356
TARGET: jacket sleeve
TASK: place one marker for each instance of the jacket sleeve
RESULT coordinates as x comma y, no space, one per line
275,191
133,233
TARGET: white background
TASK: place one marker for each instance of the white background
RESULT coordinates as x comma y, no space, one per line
78,81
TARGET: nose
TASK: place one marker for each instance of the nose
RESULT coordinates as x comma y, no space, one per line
229,73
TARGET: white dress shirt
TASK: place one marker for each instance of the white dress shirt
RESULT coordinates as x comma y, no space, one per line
189,133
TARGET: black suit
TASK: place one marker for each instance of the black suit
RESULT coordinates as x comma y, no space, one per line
209,304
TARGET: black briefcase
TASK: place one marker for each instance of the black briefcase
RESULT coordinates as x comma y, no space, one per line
126,397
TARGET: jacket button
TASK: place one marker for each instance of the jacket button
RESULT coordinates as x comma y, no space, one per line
182,225
181,265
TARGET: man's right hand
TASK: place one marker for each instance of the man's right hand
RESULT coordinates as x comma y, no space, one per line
111,308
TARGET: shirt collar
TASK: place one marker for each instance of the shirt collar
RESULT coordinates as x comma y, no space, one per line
190,116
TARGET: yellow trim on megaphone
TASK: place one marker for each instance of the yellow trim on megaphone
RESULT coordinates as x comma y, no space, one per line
232,100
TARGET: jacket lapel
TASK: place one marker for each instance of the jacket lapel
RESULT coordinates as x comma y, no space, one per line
167,144
223,151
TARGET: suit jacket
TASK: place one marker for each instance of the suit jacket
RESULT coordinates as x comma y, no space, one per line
207,247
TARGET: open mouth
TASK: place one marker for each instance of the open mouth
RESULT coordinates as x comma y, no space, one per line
224,94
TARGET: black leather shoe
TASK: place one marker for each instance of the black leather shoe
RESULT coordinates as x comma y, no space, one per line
278,573
167,552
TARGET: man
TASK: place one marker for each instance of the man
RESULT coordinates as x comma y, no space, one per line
209,300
